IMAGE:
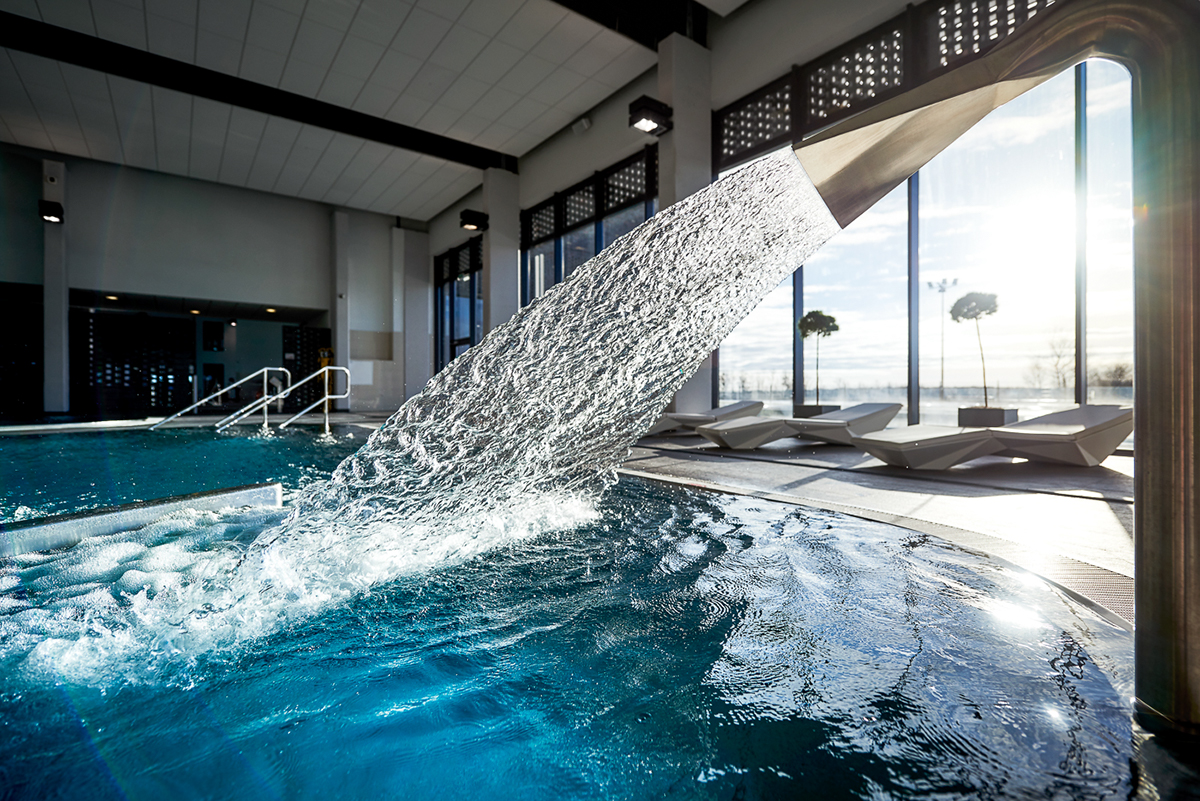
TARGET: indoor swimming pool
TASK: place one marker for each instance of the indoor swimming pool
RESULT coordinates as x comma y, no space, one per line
672,644
52,474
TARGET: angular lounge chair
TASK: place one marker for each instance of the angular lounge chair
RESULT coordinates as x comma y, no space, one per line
928,447
1083,437
839,427
672,421
835,427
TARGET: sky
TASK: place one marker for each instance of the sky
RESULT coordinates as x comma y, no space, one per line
997,216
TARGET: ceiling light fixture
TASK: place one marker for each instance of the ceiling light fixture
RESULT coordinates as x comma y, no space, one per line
111,297
51,211
473,220
195,311
650,116
270,311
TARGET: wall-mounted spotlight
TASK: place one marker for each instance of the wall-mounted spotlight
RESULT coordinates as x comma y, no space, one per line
473,220
111,297
270,311
50,210
650,116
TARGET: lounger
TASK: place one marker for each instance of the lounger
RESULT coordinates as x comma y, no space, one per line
840,427
837,427
928,447
1083,437
672,421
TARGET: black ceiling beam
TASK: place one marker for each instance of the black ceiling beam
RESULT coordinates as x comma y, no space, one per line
42,39
646,23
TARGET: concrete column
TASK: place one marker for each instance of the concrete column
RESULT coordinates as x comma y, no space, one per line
685,163
339,303
501,258
56,386
418,309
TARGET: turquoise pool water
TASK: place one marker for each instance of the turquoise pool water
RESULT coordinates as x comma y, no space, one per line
671,645
62,473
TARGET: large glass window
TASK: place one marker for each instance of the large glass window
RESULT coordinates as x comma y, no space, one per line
1110,234
997,217
458,299
861,279
578,246
755,360
540,268
622,222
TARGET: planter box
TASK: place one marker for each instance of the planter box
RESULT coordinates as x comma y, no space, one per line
986,417
812,410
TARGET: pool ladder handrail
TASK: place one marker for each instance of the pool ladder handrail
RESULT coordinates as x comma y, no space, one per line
264,372
265,401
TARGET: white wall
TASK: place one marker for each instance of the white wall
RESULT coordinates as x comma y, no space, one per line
567,157
131,230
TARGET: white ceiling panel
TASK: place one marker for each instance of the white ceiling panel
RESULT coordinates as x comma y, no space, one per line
490,72
171,38
217,52
261,65
272,29
489,16
532,21
305,154
528,73
178,10
227,18
421,33
464,93
572,33
340,90
555,88
375,100
458,48
357,58
450,9
278,137
120,23
316,44
378,20
73,14
337,14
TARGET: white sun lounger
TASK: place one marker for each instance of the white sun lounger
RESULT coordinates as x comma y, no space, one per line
928,447
837,427
1084,436
840,427
676,420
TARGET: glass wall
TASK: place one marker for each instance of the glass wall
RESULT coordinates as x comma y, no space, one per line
861,279
540,270
997,217
1110,235
578,246
755,361
617,225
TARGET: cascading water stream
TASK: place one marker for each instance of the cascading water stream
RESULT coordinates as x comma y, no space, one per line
519,435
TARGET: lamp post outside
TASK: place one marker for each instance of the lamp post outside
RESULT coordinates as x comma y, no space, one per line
941,287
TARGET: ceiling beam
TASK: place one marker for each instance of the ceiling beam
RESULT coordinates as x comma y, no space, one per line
49,41
646,23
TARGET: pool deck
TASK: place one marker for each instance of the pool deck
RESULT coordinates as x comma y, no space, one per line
1072,526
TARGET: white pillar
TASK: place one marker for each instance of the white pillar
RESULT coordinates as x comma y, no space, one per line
418,309
339,303
501,266
56,394
685,162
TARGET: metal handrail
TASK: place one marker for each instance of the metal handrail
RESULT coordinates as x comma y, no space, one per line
266,401
263,372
